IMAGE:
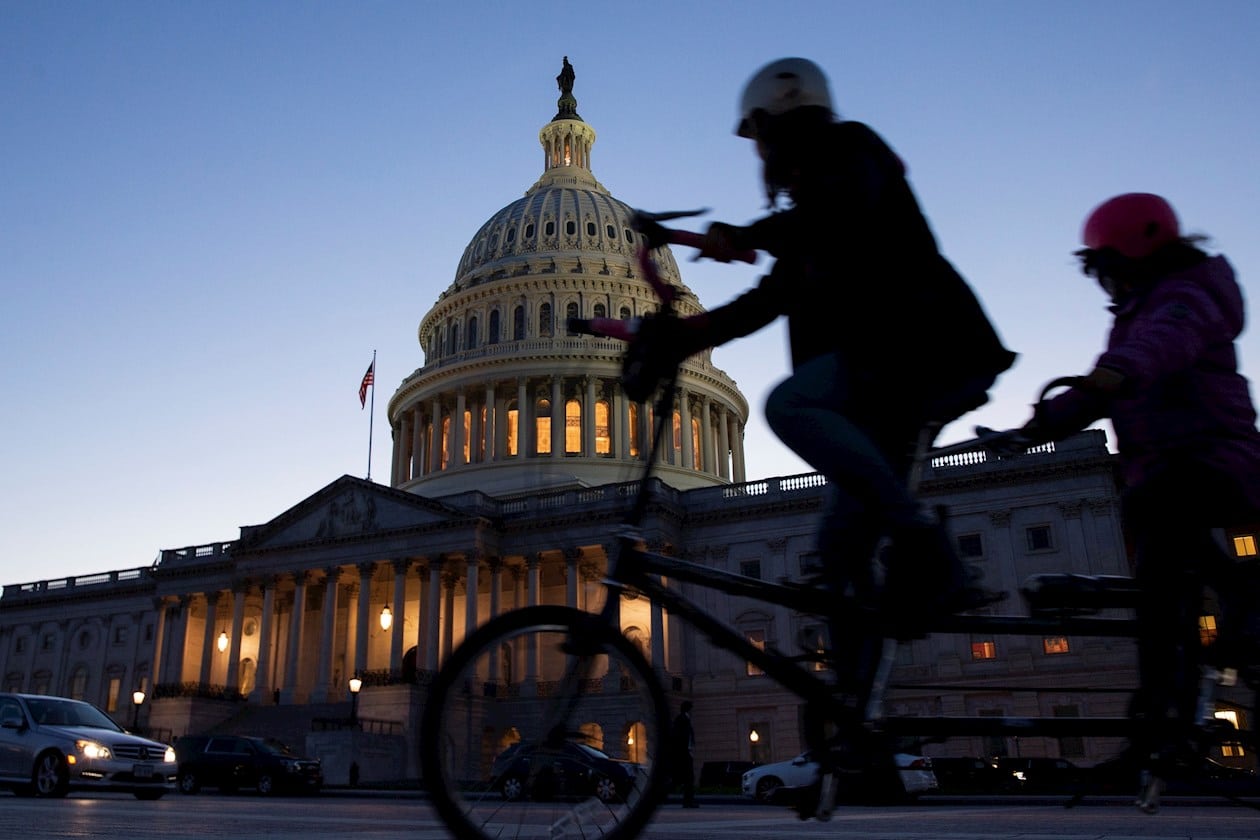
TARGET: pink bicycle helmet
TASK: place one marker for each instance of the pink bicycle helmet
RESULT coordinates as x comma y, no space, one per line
1134,224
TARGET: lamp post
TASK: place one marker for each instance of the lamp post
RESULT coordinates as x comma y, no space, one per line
355,685
137,700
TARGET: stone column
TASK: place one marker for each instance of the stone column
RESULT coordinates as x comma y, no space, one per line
706,437
684,428
233,680
262,680
473,562
415,467
157,661
658,637
571,558
588,417
207,645
622,405
524,435
327,645
450,580
557,418
435,439
533,566
724,446
737,451
433,620
361,617
400,452
289,692
177,650
496,580
401,565
422,614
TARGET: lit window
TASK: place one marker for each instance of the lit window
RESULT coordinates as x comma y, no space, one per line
984,650
1230,749
446,438
632,429
697,451
1207,629
512,424
467,437
676,430
1245,546
756,638
542,427
603,437
1052,645
573,427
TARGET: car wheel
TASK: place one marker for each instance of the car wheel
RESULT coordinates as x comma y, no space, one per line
768,789
513,788
149,795
188,782
605,789
266,784
50,778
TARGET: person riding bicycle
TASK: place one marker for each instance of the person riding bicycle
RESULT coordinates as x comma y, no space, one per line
885,334
1186,439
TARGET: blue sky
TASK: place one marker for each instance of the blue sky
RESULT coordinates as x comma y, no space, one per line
211,213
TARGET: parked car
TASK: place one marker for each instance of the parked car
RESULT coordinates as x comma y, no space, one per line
969,775
524,770
1209,778
235,762
50,746
782,780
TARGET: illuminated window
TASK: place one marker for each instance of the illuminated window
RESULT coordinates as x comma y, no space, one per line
697,451
1245,546
111,698
1230,749
446,441
481,438
512,425
542,427
467,437
1207,629
573,428
633,430
1052,645
756,638
676,430
984,650
603,436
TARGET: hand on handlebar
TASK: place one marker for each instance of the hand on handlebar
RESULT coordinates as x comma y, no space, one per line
723,243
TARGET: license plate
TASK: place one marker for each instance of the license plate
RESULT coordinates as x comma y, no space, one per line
142,771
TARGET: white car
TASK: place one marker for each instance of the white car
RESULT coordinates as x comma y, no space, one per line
776,782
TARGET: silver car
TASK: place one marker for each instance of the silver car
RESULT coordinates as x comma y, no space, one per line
50,746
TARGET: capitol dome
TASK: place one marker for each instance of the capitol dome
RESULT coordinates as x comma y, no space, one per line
508,401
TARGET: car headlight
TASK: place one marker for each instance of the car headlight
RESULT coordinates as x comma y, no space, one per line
169,755
292,766
91,749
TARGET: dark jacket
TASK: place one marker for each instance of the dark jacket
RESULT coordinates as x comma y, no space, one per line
1183,399
858,272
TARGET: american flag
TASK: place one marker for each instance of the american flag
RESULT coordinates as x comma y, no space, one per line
368,378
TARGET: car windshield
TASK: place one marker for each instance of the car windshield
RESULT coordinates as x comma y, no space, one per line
55,711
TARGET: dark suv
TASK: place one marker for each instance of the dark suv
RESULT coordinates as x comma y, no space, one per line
233,762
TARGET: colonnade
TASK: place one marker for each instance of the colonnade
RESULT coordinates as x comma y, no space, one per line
563,416
300,648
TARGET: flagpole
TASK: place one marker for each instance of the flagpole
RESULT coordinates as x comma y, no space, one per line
371,414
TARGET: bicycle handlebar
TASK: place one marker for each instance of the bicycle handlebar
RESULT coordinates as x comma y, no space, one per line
696,240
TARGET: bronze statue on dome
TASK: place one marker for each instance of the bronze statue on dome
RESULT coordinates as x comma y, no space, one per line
567,103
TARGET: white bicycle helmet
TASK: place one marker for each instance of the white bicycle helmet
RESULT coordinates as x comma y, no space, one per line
782,86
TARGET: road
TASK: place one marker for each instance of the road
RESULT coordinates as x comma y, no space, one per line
371,817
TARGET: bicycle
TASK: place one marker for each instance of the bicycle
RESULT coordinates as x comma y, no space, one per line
553,782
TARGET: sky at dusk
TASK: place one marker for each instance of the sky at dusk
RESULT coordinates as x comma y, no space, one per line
212,213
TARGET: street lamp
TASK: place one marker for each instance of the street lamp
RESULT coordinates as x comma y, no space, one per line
137,700
355,685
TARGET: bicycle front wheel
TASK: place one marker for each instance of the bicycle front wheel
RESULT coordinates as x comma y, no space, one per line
545,722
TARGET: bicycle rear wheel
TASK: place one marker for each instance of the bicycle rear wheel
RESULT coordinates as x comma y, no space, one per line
545,722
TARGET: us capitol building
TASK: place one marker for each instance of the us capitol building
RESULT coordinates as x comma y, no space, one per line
515,454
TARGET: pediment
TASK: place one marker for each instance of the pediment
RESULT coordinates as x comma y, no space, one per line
349,508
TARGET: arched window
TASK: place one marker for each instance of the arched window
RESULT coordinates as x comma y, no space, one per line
676,436
544,319
542,427
697,452
78,683
600,311
467,454
472,333
513,430
446,442
492,337
518,323
624,314
454,339
633,431
573,428
603,435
